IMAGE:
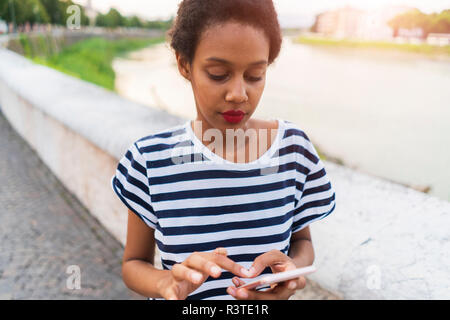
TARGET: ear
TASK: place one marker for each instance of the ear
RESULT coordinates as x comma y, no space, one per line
183,66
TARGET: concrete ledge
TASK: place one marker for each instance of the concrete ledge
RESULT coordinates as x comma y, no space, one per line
383,241
78,129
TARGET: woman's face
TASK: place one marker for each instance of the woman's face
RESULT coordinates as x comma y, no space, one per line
228,73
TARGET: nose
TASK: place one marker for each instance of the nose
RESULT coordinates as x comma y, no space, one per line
237,91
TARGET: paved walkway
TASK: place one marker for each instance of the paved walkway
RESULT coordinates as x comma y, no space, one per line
44,230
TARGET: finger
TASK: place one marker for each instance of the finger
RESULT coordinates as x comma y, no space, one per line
271,294
206,266
283,292
181,272
229,265
301,282
231,291
221,251
237,281
294,284
267,259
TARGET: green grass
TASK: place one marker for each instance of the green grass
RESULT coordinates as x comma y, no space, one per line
422,48
91,59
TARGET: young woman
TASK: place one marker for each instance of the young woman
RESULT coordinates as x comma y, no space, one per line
223,211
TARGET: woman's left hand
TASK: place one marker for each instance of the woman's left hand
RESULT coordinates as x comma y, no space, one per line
278,262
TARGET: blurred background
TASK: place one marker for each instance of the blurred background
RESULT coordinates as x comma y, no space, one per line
367,80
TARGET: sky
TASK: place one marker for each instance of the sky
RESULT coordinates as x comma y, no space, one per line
287,9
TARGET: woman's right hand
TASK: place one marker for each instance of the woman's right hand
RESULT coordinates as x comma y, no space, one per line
187,276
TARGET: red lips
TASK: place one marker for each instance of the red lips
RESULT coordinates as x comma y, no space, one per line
234,113
233,116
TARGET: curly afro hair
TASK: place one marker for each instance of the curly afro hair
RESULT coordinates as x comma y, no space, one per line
195,16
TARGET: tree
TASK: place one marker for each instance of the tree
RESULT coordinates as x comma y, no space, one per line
441,23
112,19
38,11
133,22
57,11
31,11
54,10
159,24
4,11
24,11
434,22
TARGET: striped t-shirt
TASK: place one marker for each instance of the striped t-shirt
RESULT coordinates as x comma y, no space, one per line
198,201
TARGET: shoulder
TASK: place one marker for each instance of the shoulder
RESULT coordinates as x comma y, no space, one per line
290,128
293,129
161,140
299,141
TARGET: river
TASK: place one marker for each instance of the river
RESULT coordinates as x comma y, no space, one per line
380,112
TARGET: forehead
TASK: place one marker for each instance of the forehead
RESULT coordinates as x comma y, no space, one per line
233,44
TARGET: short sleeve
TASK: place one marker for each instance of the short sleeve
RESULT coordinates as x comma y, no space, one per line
131,185
316,194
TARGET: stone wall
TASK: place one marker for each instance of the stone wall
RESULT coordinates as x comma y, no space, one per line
77,129
52,41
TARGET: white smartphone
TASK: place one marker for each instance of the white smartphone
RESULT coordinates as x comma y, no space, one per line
278,277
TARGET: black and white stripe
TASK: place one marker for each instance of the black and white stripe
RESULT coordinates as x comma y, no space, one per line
196,202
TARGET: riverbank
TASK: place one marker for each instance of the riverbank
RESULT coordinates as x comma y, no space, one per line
91,59
422,48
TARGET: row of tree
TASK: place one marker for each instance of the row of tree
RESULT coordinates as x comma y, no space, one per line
114,19
55,12
38,11
429,23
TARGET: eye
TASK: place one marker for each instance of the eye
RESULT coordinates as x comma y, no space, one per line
255,79
223,77
217,78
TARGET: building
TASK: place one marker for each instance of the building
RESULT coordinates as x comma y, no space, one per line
439,39
414,35
375,23
340,23
349,22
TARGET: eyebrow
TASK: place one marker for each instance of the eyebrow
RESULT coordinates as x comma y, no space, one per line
228,62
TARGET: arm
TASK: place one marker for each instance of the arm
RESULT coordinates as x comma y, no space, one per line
301,250
140,275
138,271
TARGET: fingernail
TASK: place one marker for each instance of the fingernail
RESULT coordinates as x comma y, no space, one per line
196,277
292,285
235,281
215,270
